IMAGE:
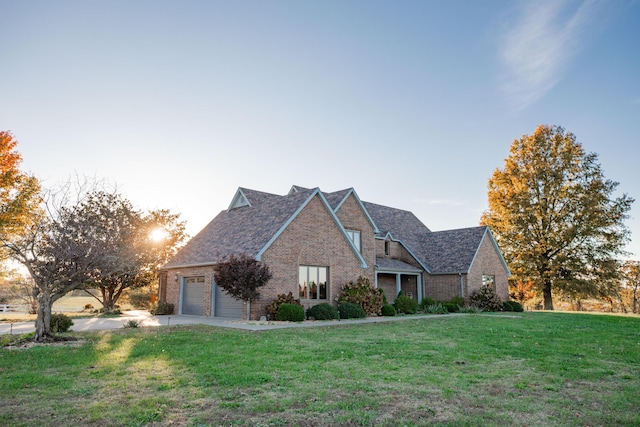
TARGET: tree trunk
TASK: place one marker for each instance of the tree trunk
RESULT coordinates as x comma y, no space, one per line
546,294
107,299
43,321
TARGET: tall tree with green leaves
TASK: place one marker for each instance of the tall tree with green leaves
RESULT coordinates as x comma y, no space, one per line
556,217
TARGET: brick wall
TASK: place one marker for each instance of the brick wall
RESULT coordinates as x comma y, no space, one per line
352,217
488,262
442,287
313,238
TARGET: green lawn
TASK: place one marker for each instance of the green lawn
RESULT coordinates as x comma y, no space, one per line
533,369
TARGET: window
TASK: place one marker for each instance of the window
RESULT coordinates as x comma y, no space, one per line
387,247
489,281
354,235
313,282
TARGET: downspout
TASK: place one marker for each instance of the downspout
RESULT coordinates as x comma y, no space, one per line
461,285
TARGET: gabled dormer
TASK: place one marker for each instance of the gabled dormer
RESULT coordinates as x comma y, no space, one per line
239,200
296,189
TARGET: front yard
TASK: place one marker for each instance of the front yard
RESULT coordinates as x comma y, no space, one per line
534,369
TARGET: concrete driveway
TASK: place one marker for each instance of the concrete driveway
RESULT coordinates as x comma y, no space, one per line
147,320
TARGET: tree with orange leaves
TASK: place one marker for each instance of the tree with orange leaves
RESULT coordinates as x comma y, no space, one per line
19,192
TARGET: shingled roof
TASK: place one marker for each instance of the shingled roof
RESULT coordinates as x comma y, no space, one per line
255,218
452,251
240,230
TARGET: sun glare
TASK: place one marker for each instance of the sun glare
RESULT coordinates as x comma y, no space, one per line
158,234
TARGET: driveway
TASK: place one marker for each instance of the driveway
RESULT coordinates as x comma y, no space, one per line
145,319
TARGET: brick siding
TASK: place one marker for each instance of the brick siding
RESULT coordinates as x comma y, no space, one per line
313,238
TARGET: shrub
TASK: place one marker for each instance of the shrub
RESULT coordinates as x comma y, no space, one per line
131,324
114,312
272,308
426,302
388,310
290,313
162,308
364,294
457,300
60,323
437,308
323,311
451,307
486,299
350,310
88,307
405,304
512,306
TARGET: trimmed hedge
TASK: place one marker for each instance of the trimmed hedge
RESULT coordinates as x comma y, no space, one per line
350,310
272,308
290,313
512,306
323,311
388,310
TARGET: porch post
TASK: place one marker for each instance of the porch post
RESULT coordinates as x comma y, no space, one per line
419,286
398,284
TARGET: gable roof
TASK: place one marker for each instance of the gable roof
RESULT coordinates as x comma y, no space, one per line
252,222
452,251
337,198
255,219
401,226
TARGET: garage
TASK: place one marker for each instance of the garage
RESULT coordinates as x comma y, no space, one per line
225,305
193,296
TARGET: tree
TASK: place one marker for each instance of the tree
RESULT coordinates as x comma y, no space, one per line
630,291
241,276
19,192
120,237
81,238
522,291
554,216
49,248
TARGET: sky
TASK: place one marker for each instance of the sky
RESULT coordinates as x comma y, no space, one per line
414,104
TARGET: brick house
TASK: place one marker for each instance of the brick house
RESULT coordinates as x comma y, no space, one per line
314,242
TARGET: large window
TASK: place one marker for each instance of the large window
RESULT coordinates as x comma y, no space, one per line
354,235
489,281
313,282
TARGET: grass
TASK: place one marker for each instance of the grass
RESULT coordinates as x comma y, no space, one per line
534,369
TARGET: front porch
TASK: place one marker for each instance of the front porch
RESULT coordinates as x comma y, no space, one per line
393,276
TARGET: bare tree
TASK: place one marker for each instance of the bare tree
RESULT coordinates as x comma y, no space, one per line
51,247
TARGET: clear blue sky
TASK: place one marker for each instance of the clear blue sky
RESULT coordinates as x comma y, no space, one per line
412,103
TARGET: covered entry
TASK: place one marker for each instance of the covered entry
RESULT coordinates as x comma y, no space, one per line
393,276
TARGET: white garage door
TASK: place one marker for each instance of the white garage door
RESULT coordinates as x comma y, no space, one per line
226,305
193,296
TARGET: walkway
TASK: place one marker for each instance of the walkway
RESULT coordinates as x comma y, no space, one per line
147,320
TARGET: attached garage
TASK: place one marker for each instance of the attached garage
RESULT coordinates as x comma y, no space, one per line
224,305
193,296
